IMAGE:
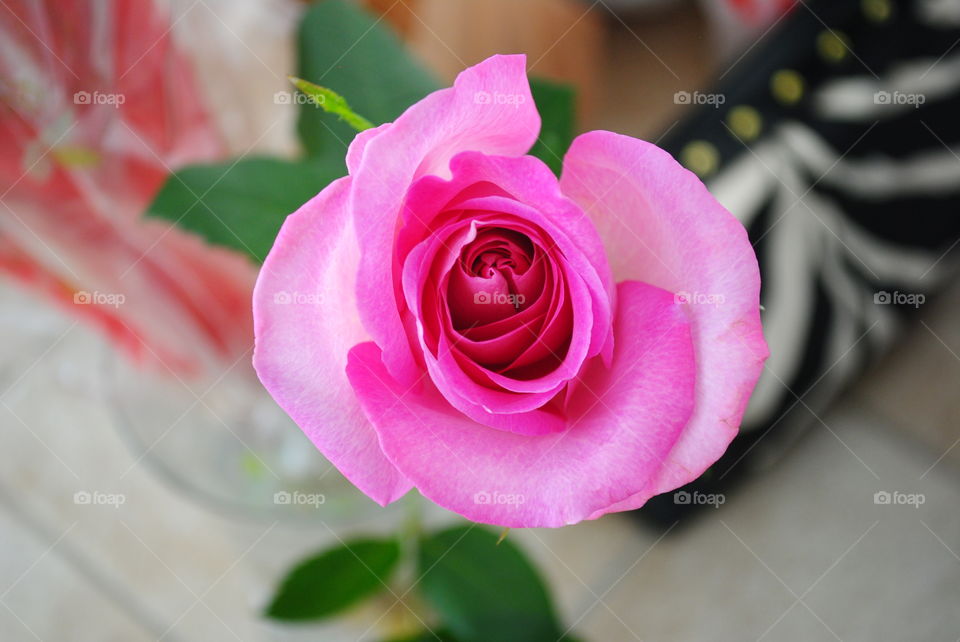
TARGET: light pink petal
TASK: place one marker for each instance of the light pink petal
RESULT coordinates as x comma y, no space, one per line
359,145
660,225
611,450
305,322
468,116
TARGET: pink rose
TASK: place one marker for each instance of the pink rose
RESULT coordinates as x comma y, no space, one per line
524,351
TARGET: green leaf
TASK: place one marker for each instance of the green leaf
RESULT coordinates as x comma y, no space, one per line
346,49
331,102
483,591
557,106
334,580
239,205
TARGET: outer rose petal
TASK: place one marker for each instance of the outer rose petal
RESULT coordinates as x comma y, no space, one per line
661,225
612,450
301,348
359,145
422,141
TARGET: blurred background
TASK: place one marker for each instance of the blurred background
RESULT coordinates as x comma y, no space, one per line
150,489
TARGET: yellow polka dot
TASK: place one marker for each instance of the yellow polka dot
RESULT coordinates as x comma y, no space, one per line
833,45
700,157
787,86
877,10
745,121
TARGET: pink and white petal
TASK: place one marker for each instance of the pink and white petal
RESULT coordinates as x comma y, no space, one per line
660,225
611,451
420,142
305,322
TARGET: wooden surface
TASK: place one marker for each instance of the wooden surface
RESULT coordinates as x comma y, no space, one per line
563,39
625,68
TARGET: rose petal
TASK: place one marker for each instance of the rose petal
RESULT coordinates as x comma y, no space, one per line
609,453
530,182
420,142
660,224
305,321
494,408
535,207
359,145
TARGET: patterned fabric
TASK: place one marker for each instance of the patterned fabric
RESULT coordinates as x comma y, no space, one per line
836,141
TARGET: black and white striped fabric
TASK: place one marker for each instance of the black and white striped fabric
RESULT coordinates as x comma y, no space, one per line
836,141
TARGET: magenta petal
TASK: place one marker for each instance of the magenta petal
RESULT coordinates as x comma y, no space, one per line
609,452
500,350
502,410
536,207
659,224
305,321
468,116
530,183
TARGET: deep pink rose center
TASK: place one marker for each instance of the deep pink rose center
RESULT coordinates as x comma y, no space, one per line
506,309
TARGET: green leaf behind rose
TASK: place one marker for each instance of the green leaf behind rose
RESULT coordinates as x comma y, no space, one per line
556,103
334,580
240,204
484,591
346,49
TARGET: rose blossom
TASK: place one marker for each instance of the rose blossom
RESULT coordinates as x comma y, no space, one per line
454,318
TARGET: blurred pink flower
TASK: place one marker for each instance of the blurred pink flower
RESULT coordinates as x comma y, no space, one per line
761,12
97,107
524,351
